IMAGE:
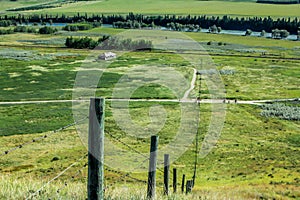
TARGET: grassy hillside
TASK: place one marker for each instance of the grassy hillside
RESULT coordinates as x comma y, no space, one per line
254,158
234,8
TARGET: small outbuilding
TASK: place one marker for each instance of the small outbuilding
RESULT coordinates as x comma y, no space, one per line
107,56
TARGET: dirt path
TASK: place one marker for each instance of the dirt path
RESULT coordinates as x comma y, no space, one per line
205,101
185,99
187,93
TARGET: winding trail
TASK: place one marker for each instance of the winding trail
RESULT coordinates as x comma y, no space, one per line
187,93
185,99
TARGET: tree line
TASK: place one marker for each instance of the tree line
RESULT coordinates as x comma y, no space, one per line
27,29
108,43
226,22
82,26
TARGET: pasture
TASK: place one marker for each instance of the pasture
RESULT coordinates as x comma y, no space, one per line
180,7
255,157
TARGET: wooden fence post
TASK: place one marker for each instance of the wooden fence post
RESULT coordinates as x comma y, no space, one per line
96,149
166,173
189,186
182,183
152,168
174,180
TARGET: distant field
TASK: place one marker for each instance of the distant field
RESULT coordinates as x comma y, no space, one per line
234,8
6,4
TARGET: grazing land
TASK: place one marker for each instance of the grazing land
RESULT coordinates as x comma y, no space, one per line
235,8
256,157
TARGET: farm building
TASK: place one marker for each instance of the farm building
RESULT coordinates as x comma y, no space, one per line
107,56
279,1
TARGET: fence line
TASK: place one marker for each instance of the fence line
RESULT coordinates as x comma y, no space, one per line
72,179
41,137
127,174
56,177
129,147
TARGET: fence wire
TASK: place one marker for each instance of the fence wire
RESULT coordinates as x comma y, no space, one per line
40,138
37,192
70,180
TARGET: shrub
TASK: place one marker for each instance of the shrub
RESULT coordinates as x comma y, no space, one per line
79,27
108,43
281,110
47,30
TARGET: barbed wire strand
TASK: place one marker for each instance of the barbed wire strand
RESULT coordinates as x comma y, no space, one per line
131,148
56,177
41,137
72,179
128,146
127,174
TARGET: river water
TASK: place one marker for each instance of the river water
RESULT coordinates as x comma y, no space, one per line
228,32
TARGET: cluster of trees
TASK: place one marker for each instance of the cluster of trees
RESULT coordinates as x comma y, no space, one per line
47,30
77,27
279,34
6,31
81,43
6,23
276,33
108,43
228,23
215,29
181,27
114,43
82,26
249,32
132,24
26,29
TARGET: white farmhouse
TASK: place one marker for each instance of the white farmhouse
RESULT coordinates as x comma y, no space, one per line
107,56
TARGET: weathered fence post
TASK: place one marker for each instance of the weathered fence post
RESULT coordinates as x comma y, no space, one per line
96,149
182,183
152,168
166,173
189,186
174,180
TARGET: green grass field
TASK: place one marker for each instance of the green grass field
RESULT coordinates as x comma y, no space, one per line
193,7
254,158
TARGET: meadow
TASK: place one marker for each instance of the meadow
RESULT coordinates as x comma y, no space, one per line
255,157
233,8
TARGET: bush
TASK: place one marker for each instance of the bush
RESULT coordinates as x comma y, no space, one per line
47,30
248,32
4,32
107,43
81,43
20,29
6,23
81,27
281,110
